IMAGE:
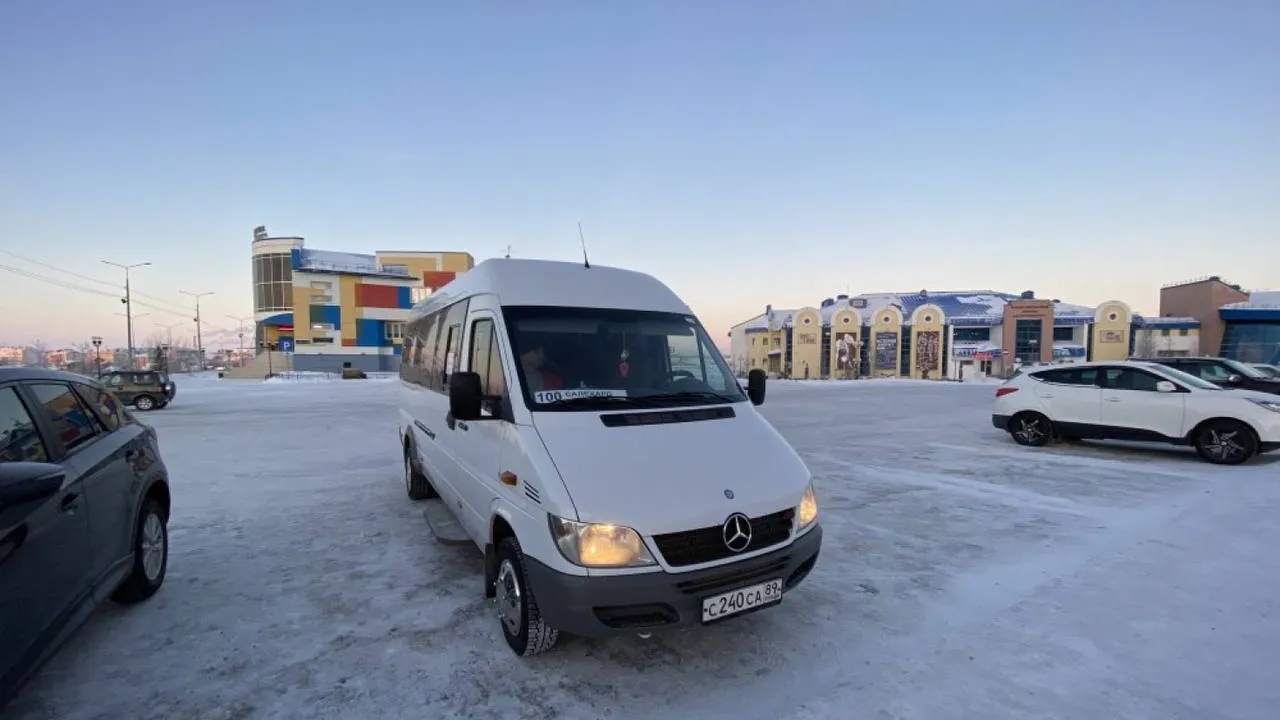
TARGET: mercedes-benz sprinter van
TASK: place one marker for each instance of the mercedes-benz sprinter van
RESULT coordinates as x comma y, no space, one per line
590,439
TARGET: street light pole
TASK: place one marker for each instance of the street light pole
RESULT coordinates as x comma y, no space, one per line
97,353
242,321
128,301
199,337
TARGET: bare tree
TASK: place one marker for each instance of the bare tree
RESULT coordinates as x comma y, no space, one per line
39,352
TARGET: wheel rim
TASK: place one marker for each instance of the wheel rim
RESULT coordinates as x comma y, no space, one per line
153,546
509,598
1223,444
1029,429
144,403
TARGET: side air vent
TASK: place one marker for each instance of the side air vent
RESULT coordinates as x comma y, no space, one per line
666,417
531,492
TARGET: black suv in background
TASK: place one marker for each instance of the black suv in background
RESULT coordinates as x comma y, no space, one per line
143,389
84,512
1223,372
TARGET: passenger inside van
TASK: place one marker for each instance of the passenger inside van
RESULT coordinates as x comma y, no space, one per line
537,372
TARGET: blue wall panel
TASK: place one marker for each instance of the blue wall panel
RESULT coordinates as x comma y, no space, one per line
405,297
370,333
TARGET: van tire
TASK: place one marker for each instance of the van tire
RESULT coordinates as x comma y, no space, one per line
416,483
521,621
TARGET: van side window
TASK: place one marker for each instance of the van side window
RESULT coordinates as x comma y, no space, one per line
449,345
486,361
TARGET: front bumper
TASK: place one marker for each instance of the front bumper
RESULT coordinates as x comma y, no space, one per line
600,606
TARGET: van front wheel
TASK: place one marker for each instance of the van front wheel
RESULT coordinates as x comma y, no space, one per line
518,614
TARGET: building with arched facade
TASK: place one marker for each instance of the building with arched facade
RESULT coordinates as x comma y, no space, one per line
932,335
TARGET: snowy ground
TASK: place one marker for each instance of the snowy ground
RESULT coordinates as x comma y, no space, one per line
962,576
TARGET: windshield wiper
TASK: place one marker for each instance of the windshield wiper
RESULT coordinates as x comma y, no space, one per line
689,395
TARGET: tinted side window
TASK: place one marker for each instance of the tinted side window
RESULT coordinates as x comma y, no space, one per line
104,404
449,345
19,439
486,361
146,379
1129,379
114,380
1069,376
430,369
72,422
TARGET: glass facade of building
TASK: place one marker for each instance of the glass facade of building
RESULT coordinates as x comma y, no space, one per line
272,283
1256,341
1026,340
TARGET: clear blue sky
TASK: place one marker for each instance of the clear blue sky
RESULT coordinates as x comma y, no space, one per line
745,152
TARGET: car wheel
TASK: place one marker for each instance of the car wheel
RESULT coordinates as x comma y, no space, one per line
416,484
144,403
150,555
518,614
1226,442
1031,429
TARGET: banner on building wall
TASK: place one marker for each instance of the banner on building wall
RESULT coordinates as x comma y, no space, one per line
807,339
886,351
1111,336
928,350
846,352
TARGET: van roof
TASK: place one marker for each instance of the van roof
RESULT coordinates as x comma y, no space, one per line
553,283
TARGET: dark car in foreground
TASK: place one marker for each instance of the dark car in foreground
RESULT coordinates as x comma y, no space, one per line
143,389
1223,372
84,512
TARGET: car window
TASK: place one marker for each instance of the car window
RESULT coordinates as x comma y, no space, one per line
486,361
1186,378
1209,371
72,421
1069,376
146,379
115,380
1235,367
19,439
104,404
1129,379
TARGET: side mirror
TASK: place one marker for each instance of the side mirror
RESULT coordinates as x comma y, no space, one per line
465,395
28,482
755,386
1234,379
1165,386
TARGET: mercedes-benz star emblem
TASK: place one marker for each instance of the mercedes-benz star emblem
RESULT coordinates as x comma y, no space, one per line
728,494
737,532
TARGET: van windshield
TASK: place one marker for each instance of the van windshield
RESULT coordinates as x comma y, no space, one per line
597,359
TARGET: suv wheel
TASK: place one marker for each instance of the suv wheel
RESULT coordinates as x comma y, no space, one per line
1031,429
144,403
1226,442
150,555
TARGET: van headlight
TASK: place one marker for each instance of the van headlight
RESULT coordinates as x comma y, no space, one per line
599,545
807,513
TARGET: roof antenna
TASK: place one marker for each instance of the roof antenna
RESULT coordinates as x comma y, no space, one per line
583,239
508,255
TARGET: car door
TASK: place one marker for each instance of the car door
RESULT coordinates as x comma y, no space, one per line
1071,395
1132,405
478,444
118,383
114,465
99,456
45,550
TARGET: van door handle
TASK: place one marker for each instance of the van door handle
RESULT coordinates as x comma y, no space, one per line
425,430
70,502
462,426
1112,399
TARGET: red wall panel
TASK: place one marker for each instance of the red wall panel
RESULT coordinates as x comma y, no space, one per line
377,296
436,279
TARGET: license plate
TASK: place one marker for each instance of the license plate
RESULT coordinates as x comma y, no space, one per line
733,602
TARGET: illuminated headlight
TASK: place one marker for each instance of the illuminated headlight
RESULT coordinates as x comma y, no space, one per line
1272,405
599,545
807,513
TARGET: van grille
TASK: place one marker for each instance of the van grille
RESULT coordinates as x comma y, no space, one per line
691,547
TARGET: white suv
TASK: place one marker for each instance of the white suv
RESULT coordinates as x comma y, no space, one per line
1137,401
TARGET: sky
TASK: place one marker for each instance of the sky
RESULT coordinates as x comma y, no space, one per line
744,152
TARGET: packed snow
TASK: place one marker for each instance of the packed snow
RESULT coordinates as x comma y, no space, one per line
962,576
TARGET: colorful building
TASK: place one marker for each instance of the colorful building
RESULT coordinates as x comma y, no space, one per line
325,308
956,335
